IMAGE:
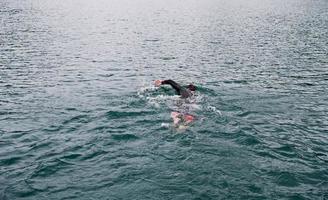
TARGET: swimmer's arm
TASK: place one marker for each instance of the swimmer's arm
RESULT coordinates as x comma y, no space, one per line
173,84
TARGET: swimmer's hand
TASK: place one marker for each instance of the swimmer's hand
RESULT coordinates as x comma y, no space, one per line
158,83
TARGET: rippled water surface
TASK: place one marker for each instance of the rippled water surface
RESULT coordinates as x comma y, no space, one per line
80,119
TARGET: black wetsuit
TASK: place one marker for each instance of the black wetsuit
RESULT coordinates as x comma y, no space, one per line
184,92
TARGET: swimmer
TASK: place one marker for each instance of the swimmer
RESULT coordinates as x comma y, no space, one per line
184,92
180,120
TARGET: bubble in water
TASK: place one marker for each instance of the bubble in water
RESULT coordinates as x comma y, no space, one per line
165,125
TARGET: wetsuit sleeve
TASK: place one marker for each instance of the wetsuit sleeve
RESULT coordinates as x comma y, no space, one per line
178,88
173,84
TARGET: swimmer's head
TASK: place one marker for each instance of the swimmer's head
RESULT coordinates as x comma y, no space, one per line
191,87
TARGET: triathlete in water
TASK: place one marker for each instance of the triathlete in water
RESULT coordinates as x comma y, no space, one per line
185,92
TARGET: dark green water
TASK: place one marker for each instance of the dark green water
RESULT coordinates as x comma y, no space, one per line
79,118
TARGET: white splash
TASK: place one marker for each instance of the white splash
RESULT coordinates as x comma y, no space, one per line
214,109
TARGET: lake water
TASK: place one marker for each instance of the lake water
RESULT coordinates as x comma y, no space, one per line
80,118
